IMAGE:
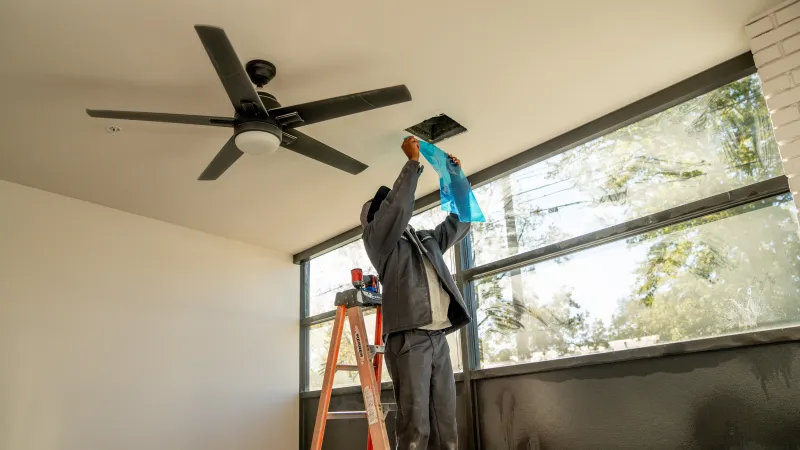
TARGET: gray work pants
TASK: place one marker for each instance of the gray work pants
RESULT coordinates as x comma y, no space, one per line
424,389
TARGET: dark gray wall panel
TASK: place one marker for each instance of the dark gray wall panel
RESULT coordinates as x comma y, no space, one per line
747,398
352,434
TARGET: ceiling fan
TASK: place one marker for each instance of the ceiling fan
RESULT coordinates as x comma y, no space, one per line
260,124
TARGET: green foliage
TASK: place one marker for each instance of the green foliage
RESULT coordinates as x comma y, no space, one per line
738,114
347,354
558,328
727,271
667,258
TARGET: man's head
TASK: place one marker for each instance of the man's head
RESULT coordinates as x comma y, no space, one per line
372,206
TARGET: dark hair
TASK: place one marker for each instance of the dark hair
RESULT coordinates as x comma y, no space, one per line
380,196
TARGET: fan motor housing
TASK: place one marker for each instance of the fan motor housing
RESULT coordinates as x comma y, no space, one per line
257,125
269,100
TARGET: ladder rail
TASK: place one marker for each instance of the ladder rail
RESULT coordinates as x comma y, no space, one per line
369,365
377,361
370,388
327,380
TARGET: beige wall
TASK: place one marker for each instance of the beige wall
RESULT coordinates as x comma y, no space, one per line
121,332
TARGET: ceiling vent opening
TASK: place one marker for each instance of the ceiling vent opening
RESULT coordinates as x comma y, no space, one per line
436,129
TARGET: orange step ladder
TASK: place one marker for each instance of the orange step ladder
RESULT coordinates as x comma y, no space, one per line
369,364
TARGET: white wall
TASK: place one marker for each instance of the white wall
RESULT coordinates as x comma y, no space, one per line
121,332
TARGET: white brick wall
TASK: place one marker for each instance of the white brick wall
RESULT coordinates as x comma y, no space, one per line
775,43
776,85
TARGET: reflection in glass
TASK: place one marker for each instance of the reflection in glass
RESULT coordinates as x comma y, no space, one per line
729,272
708,145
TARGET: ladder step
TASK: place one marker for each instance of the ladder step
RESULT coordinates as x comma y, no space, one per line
341,415
387,408
377,349
347,367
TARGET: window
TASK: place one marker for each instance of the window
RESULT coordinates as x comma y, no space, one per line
726,272
330,273
709,145
549,278
733,271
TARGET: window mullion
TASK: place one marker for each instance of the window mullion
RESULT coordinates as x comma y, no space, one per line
305,268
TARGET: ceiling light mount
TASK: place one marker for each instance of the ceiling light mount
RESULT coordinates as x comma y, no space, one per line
113,129
260,72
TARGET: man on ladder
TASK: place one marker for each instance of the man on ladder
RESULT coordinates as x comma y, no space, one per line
421,304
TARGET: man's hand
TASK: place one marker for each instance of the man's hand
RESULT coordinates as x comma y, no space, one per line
411,148
455,160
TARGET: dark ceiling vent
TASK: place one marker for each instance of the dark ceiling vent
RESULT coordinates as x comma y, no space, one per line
436,129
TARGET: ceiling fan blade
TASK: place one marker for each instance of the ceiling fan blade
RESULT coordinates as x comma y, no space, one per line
224,159
229,69
314,149
161,117
331,108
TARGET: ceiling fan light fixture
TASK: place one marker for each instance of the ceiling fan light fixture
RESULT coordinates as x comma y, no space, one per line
257,142
259,120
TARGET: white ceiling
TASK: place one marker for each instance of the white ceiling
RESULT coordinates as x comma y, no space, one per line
515,73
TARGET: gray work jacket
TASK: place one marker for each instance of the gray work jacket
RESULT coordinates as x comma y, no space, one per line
398,258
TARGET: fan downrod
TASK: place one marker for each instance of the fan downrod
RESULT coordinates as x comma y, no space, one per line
260,72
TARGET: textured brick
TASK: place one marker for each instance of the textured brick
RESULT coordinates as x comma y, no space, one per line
779,66
771,10
792,44
768,54
775,36
784,116
790,150
776,85
794,186
791,12
758,27
784,99
792,167
788,132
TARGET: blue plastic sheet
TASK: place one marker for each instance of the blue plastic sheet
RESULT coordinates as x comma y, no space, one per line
454,188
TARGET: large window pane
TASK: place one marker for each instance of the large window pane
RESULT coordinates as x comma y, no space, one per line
728,272
330,273
709,145
319,343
